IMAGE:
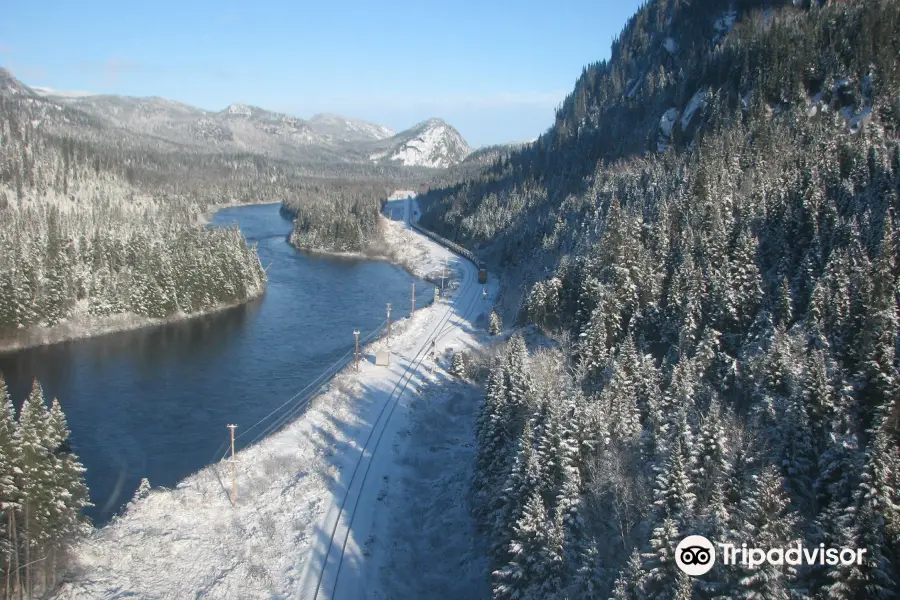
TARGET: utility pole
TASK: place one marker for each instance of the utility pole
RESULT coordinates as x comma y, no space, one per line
389,324
443,269
356,335
413,309
233,469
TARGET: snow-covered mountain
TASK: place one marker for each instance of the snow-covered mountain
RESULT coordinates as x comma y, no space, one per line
432,143
348,130
45,91
10,86
324,139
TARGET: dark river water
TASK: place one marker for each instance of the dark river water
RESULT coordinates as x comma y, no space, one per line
155,402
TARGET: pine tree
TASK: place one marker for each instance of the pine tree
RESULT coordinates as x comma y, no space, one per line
631,581
524,478
878,349
69,476
495,326
37,478
458,366
494,439
10,493
9,452
662,572
797,455
533,571
140,493
766,521
519,385
674,496
867,523
745,279
784,313
711,461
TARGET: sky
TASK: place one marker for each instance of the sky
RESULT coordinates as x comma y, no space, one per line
496,70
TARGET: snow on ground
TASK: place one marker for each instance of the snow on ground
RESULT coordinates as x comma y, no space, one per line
424,524
339,563
697,102
670,45
192,542
666,123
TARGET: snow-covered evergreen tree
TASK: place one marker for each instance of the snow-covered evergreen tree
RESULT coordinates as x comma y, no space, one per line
458,365
533,571
495,325
765,520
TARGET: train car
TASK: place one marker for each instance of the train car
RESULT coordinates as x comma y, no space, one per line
482,273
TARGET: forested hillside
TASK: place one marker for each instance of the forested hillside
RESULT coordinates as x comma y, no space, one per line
81,236
710,230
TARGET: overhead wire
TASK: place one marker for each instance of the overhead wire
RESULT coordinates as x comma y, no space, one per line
392,401
219,454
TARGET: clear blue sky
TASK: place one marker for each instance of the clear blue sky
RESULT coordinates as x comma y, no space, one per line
494,69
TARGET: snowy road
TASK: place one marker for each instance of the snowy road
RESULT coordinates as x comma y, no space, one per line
333,567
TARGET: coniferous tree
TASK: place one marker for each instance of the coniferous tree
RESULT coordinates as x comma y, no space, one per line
495,326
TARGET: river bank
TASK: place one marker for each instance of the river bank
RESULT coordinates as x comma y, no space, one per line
82,325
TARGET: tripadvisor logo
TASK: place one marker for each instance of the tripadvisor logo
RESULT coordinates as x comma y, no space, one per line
695,555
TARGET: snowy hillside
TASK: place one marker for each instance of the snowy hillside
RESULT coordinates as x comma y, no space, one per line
10,86
324,139
432,143
348,130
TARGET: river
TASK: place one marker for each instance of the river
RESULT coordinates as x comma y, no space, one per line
155,402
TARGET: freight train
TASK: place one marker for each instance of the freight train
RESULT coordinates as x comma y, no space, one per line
456,248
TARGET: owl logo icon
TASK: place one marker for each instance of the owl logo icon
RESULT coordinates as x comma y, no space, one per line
695,555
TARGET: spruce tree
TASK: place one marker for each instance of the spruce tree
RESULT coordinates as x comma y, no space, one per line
631,581
68,478
765,520
39,493
533,571
10,491
495,326
662,572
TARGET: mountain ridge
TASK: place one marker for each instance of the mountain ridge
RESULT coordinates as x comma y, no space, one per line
244,127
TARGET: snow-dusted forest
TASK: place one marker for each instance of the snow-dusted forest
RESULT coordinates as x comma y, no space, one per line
42,490
337,215
80,236
109,259
724,294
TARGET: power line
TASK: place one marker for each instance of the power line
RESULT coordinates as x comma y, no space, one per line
304,401
408,373
324,373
